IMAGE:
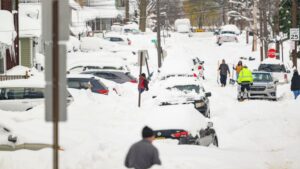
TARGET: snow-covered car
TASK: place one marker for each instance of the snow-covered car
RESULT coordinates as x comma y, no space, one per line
264,86
182,90
79,67
23,95
227,36
183,123
88,44
80,81
117,76
279,70
119,39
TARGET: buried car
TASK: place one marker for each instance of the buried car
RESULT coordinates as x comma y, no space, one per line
117,76
278,70
182,90
264,86
23,94
182,123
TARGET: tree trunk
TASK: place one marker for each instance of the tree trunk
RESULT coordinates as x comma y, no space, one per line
265,32
126,11
277,28
254,44
143,12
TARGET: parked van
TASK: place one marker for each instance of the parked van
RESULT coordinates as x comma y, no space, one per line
182,25
23,95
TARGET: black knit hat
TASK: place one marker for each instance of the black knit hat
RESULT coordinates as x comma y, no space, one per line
147,132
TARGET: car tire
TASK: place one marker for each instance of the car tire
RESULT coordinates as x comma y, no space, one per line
208,114
183,140
215,141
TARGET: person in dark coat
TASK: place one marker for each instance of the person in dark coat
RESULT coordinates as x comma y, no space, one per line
295,84
224,69
143,83
143,155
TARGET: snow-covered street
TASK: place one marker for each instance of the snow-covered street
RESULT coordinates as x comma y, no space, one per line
258,134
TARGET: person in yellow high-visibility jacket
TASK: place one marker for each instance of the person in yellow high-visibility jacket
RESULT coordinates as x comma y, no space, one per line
245,79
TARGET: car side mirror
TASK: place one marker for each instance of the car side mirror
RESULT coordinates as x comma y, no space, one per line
276,81
153,97
210,124
208,94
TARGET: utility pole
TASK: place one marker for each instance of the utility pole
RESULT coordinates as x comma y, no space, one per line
254,44
16,19
126,10
143,13
158,33
294,25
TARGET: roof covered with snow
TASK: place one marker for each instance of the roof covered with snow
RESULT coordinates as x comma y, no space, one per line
7,29
29,27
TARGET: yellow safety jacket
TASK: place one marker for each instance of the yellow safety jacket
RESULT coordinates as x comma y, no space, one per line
245,76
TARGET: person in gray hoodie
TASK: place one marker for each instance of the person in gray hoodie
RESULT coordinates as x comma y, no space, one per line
143,155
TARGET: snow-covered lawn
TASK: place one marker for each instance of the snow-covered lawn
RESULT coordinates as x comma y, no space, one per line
252,134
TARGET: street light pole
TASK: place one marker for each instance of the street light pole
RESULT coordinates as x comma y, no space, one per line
158,34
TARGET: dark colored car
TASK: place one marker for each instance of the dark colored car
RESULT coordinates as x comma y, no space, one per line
182,123
115,76
89,82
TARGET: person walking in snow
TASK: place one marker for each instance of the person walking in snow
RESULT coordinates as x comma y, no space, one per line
295,84
223,69
143,83
238,69
143,155
245,80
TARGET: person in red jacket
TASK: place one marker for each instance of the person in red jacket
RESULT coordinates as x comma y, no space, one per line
143,83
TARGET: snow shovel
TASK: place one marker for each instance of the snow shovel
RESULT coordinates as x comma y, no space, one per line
231,80
218,73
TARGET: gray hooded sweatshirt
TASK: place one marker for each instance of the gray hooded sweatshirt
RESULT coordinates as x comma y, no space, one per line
142,155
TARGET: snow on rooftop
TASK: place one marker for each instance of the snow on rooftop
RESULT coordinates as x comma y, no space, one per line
7,29
29,27
18,70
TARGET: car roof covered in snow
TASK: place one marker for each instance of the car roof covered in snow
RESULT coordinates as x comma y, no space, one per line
230,28
171,81
272,61
85,76
176,117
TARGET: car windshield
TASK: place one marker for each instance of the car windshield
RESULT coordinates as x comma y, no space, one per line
271,68
227,32
186,88
175,75
262,77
